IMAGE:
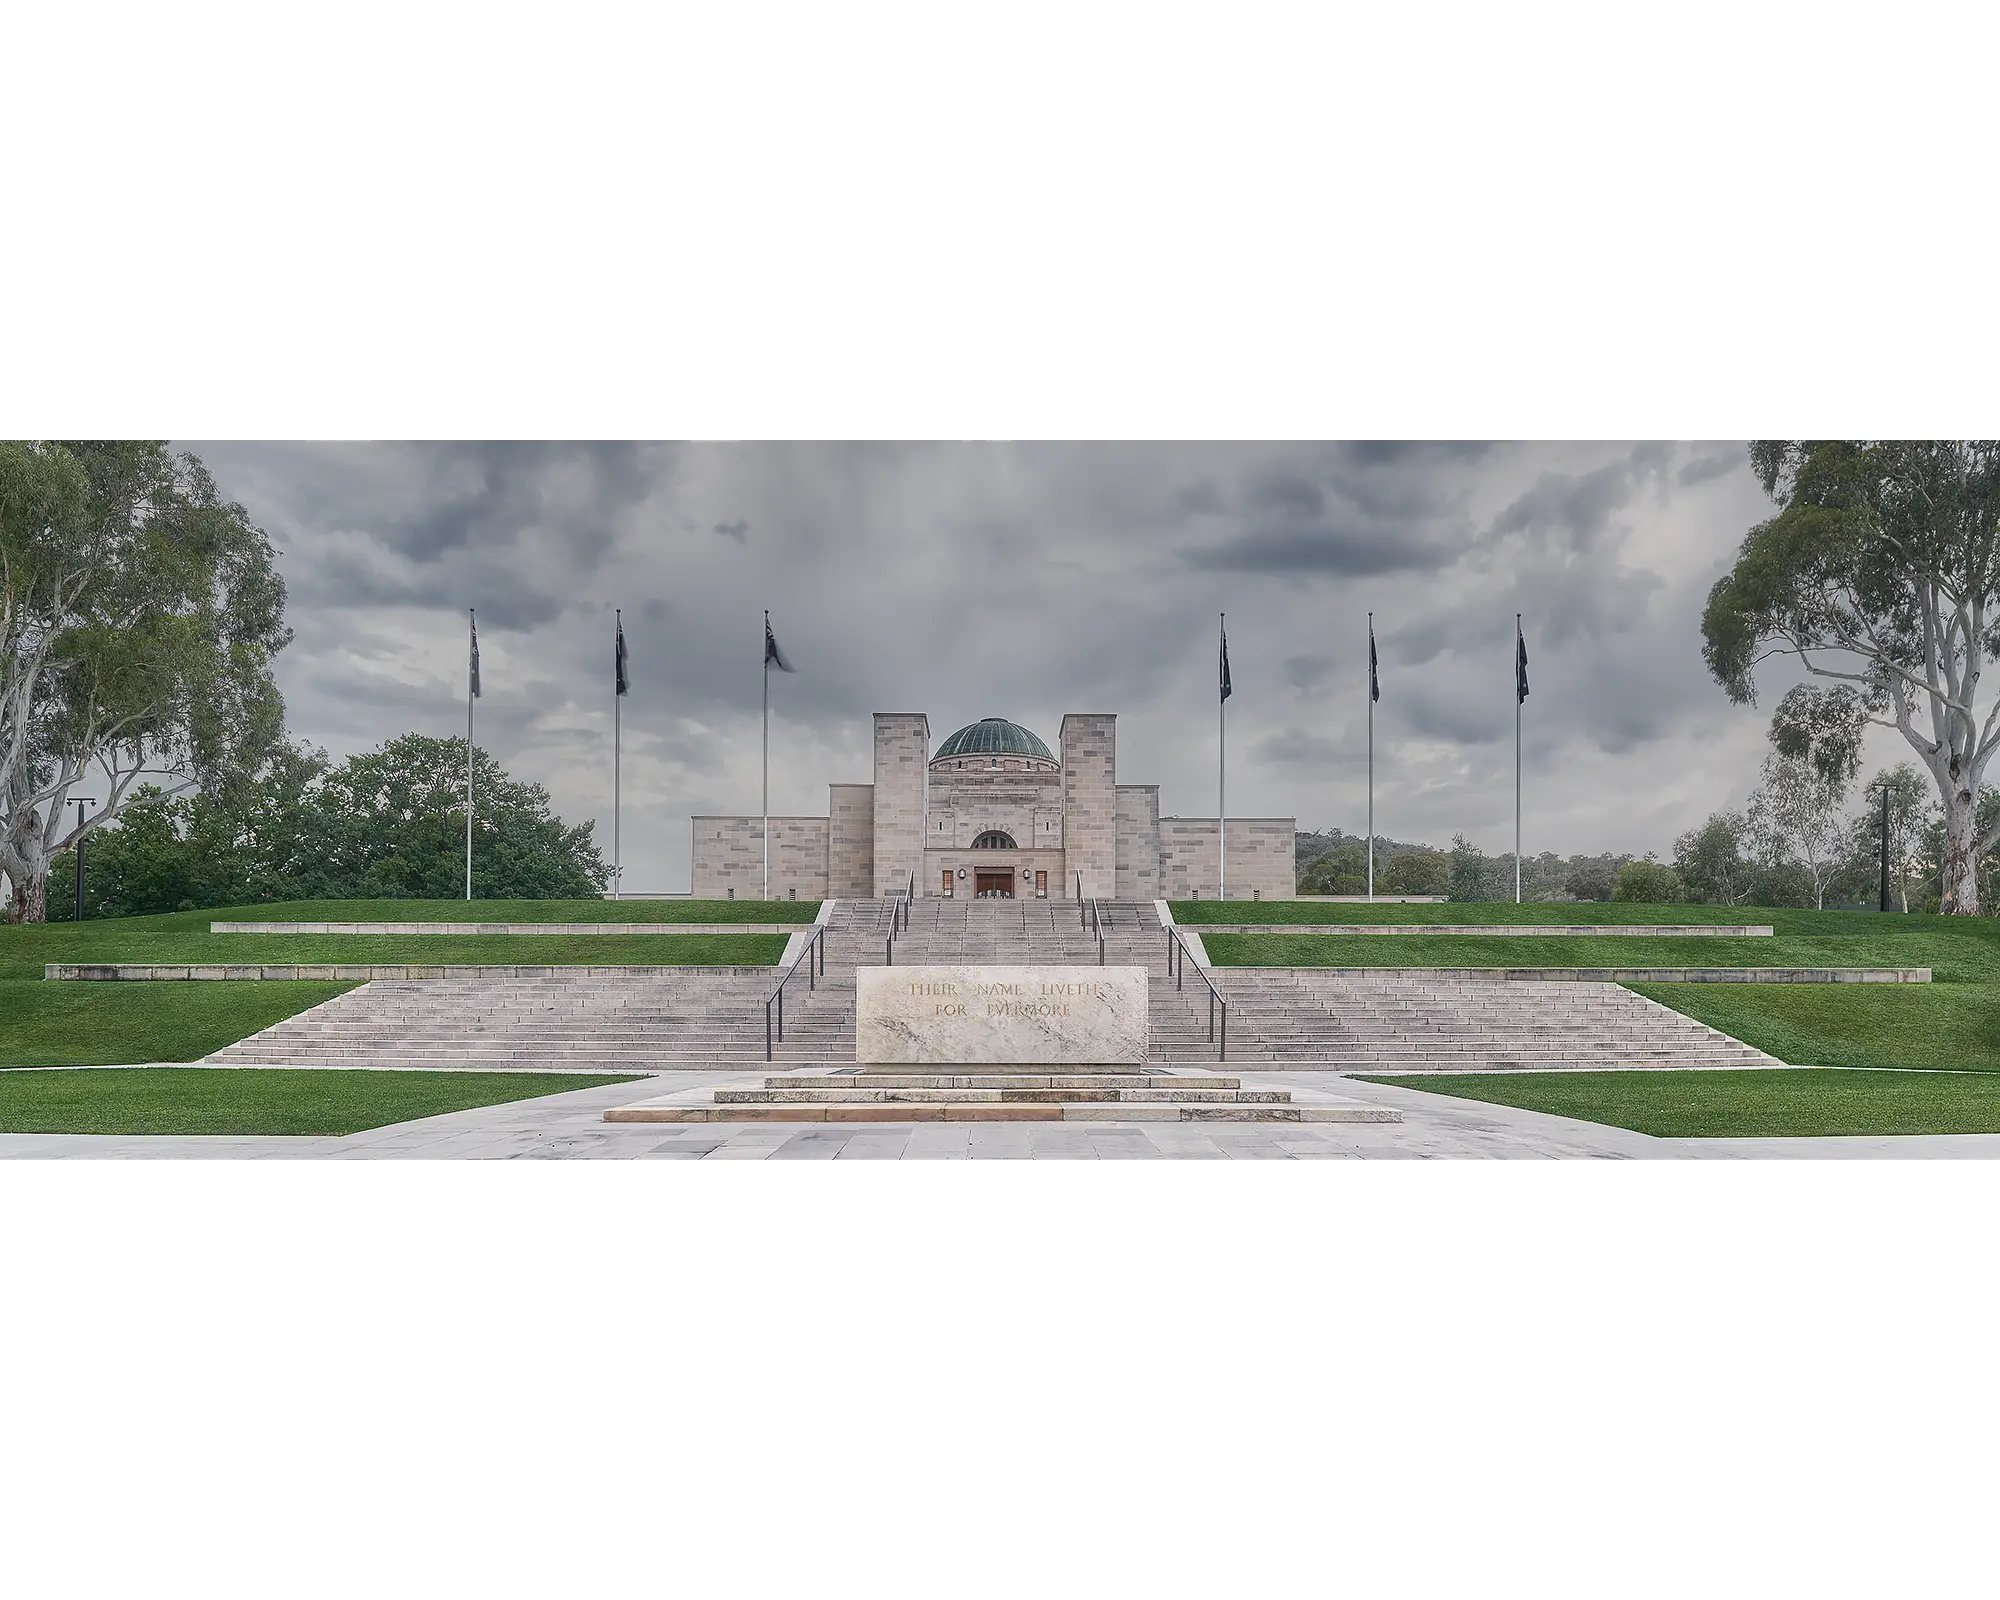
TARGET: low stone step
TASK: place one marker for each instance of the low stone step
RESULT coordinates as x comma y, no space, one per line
1071,1112
934,1080
851,1096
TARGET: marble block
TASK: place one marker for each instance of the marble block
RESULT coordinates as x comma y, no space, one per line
1000,1016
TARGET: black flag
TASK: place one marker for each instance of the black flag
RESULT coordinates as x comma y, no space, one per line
475,655
623,686
1520,664
773,656
1225,663
1374,688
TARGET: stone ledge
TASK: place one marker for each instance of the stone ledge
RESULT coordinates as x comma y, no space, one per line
1615,974
348,972
563,929
1517,930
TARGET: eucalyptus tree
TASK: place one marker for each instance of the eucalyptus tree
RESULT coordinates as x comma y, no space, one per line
1911,812
139,613
1795,818
1880,575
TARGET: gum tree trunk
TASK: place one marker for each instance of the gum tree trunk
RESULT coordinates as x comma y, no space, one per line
1961,854
30,902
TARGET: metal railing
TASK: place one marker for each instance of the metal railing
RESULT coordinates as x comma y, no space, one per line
814,956
899,918
1177,954
1097,927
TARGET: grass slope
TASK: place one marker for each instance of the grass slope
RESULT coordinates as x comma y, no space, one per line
1851,1025
1954,1022
82,1024
499,911
1952,958
23,951
256,1100
1577,913
1742,1105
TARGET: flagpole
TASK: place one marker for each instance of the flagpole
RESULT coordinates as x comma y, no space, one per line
1517,758
1371,755
469,697
1221,810
767,758
617,885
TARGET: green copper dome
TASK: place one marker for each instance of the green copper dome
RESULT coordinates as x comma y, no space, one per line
993,736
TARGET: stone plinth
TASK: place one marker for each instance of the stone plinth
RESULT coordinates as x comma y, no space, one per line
1000,1017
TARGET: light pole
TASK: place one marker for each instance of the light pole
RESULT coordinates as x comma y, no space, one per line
81,801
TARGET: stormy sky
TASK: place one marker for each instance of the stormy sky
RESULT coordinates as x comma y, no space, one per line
970,580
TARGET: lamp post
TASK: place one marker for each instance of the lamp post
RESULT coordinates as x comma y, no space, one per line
81,801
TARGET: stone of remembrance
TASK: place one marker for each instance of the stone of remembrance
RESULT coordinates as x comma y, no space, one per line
1000,1016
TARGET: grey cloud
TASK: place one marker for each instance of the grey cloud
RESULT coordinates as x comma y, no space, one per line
739,530
1340,511
1705,469
1308,674
966,580
1579,505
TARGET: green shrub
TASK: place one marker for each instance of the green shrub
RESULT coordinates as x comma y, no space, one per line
1649,882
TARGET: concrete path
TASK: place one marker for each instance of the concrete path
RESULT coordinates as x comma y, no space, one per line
571,1126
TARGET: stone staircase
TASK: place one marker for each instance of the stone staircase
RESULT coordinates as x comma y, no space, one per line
1387,1022
1283,1019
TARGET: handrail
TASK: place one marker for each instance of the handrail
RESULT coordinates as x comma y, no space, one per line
1178,966
1097,927
814,955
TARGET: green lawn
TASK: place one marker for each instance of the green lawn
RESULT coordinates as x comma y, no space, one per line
1850,1025
1570,913
256,1100
483,911
1742,1105
81,1024
23,951
61,1024
1953,1022
1953,957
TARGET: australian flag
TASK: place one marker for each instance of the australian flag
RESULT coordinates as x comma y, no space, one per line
1225,664
1374,687
1520,664
475,655
773,656
623,685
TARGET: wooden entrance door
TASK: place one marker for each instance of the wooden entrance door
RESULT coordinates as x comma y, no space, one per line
994,885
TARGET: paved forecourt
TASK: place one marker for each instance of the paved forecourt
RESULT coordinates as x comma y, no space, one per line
568,1127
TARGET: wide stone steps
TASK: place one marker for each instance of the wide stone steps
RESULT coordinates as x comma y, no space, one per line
1375,1023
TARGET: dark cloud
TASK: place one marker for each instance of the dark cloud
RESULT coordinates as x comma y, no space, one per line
1338,511
1309,674
967,580
1705,469
1295,747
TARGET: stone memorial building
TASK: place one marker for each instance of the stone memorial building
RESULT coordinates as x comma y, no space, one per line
994,813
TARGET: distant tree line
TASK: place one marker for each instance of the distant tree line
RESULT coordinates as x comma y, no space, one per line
1333,862
1798,841
388,824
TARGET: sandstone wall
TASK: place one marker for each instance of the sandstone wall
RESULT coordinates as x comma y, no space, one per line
1090,801
1263,855
729,858
850,840
1138,874
902,753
